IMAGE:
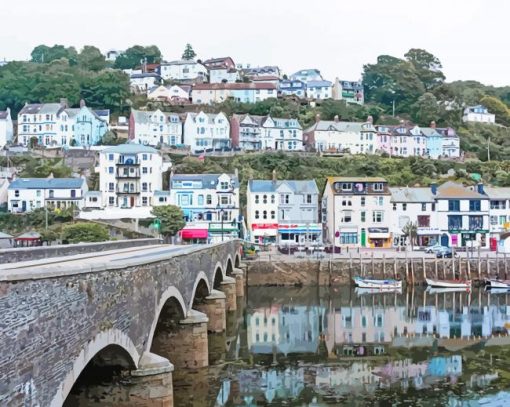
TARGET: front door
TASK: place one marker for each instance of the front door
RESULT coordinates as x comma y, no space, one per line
363,238
444,240
132,200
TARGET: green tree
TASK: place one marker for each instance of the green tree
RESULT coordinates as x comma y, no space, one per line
427,66
496,106
91,58
106,90
171,219
410,231
425,109
188,53
136,55
84,232
110,139
45,54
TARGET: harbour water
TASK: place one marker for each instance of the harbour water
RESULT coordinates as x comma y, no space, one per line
339,346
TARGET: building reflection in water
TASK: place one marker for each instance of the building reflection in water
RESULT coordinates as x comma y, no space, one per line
361,336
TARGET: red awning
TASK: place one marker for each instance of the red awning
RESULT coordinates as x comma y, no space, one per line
194,233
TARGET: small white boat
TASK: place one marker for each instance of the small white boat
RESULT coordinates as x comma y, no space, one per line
377,284
495,283
449,283
491,290
435,290
367,291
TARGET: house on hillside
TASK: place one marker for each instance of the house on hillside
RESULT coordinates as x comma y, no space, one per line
152,128
183,70
208,93
319,90
140,82
289,87
6,128
478,114
207,132
350,91
172,94
307,75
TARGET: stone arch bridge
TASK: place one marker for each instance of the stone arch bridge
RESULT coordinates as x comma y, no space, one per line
142,311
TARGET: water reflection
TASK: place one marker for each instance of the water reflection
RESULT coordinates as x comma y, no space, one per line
316,346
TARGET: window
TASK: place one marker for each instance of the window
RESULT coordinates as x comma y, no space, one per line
16,193
423,207
349,238
363,216
423,221
474,205
111,186
144,170
110,156
346,186
200,200
454,205
433,207
38,193
285,199
257,215
144,186
377,216
394,206
498,204
502,219
404,207
144,201
264,214
110,170
224,185
362,201
273,215
273,199
494,220
264,199
347,216
224,200
378,186
73,193
475,222
208,199
454,222
309,199
111,200
144,157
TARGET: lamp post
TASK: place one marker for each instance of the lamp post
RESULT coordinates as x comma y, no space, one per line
221,211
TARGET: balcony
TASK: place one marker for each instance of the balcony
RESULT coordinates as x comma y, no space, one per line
128,163
120,174
128,191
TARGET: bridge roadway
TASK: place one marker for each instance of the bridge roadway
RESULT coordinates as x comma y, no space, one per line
119,306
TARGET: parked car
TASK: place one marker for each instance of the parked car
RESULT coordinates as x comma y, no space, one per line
445,252
434,249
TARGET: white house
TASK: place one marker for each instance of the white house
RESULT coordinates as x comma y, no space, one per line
415,206
337,136
319,90
174,94
130,175
462,214
356,212
143,81
478,114
27,194
219,74
283,212
209,93
210,203
155,127
206,131
307,75
499,221
183,70
6,128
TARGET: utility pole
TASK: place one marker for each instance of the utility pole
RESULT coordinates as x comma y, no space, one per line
394,107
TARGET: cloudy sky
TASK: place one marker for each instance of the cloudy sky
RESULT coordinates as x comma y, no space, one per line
336,36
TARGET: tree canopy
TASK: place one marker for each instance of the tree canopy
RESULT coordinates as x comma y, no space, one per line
136,55
171,219
427,66
189,53
84,232
45,54
91,58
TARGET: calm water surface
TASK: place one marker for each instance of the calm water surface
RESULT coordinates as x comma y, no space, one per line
339,346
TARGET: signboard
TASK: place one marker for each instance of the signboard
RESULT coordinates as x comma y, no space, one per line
378,230
255,226
455,240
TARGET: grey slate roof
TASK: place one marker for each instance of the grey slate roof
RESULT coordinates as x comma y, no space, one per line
46,183
298,187
410,195
161,193
130,149
318,84
142,116
325,125
497,192
208,180
3,114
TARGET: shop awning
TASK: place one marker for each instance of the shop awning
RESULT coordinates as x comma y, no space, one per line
188,234
379,235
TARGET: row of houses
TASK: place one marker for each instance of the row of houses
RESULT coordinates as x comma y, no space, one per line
349,212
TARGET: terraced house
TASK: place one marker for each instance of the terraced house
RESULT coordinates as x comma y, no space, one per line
207,132
152,128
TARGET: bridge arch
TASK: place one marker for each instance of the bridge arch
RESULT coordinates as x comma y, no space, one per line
217,276
170,293
103,340
199,283
229,266
237,261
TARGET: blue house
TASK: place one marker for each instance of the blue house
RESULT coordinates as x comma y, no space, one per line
292,87
434,141
88,127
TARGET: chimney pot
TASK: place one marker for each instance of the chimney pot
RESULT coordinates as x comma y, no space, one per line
370,119
433,188
336,118
274,175
432,124
317,117
82,103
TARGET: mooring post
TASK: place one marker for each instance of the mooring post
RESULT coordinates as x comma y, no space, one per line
435,267
384,265
506,268
497,265
424,269
373,265
444,268
395,267
407,268
488,267
412,271
468,270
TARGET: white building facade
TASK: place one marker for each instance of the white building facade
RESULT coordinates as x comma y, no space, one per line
154,128
183,70
478,114
206,131
6,128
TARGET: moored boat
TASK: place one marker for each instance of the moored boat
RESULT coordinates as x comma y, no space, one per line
437,290
367,291
378,284
495,283
449,283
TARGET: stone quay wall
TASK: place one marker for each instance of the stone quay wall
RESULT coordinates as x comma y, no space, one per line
16,255
341,271
52,327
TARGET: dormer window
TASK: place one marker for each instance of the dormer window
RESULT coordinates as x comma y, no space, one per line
378,186
346,186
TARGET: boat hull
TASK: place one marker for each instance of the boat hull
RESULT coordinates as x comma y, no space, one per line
449,283
367,291
494,283
377,284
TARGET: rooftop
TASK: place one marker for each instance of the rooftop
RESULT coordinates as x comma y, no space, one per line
47,183
208,180
130,149
405,194
355,179
234,86
455,190
298,187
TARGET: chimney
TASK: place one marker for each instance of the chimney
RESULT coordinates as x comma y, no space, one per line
336,119
432,124
370,119
479,188
274,175
317,117
82,103
63,102
433,188
236,173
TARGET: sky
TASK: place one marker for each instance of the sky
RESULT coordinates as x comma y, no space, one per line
336,36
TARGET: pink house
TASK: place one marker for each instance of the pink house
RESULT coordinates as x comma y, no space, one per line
383,139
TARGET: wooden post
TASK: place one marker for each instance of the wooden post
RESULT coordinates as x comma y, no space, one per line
506,268
407,268
395,267
453,263
412,270
373,265
362,272
383,265
350,259
479,264
424,269
488,267
460,267
444,268
435,268
497,265
468,270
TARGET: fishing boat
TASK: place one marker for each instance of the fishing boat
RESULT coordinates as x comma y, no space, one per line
436,290
379,284
367,291
449,283
495,283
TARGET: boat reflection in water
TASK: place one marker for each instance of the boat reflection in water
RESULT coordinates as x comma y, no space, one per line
316,346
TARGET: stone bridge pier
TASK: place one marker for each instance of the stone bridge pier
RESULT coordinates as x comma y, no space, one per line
112,330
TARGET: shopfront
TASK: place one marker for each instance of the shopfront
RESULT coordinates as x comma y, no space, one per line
379,238
469,238
264,233
194,235
427,236
299,234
